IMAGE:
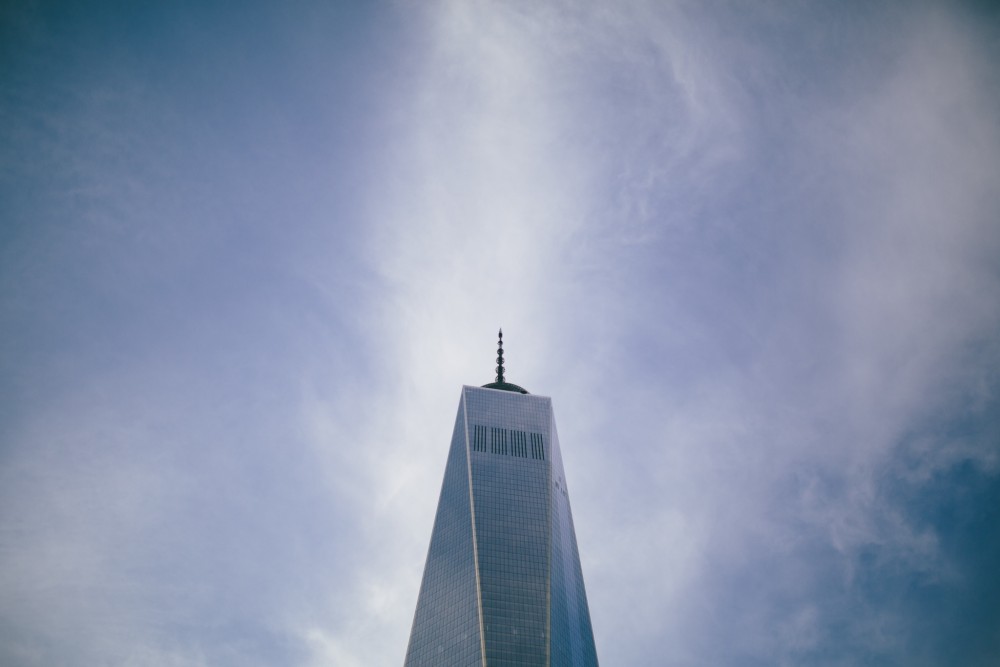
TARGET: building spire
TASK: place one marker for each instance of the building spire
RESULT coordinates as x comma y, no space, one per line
500,358
501,381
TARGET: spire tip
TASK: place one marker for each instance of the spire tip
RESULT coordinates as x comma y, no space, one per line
501,382
500,357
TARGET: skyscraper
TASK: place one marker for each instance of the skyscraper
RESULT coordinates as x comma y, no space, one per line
502,585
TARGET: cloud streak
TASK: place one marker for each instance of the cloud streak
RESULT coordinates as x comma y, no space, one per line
750,253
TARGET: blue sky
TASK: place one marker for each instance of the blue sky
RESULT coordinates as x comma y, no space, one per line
249,255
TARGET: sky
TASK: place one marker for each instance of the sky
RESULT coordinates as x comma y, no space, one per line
250,252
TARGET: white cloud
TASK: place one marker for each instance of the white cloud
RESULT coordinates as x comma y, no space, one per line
756,277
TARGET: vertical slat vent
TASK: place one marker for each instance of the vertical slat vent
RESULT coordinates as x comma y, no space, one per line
498,443
508,442
537,447
478,438
519,444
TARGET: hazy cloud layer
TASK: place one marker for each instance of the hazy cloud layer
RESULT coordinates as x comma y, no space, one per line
247,259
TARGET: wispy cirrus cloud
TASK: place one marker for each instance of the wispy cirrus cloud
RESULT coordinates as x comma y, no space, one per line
749,251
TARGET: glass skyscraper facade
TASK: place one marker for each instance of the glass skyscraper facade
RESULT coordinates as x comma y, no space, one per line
502,585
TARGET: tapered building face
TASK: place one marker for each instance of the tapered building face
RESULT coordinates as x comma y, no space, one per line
502,585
